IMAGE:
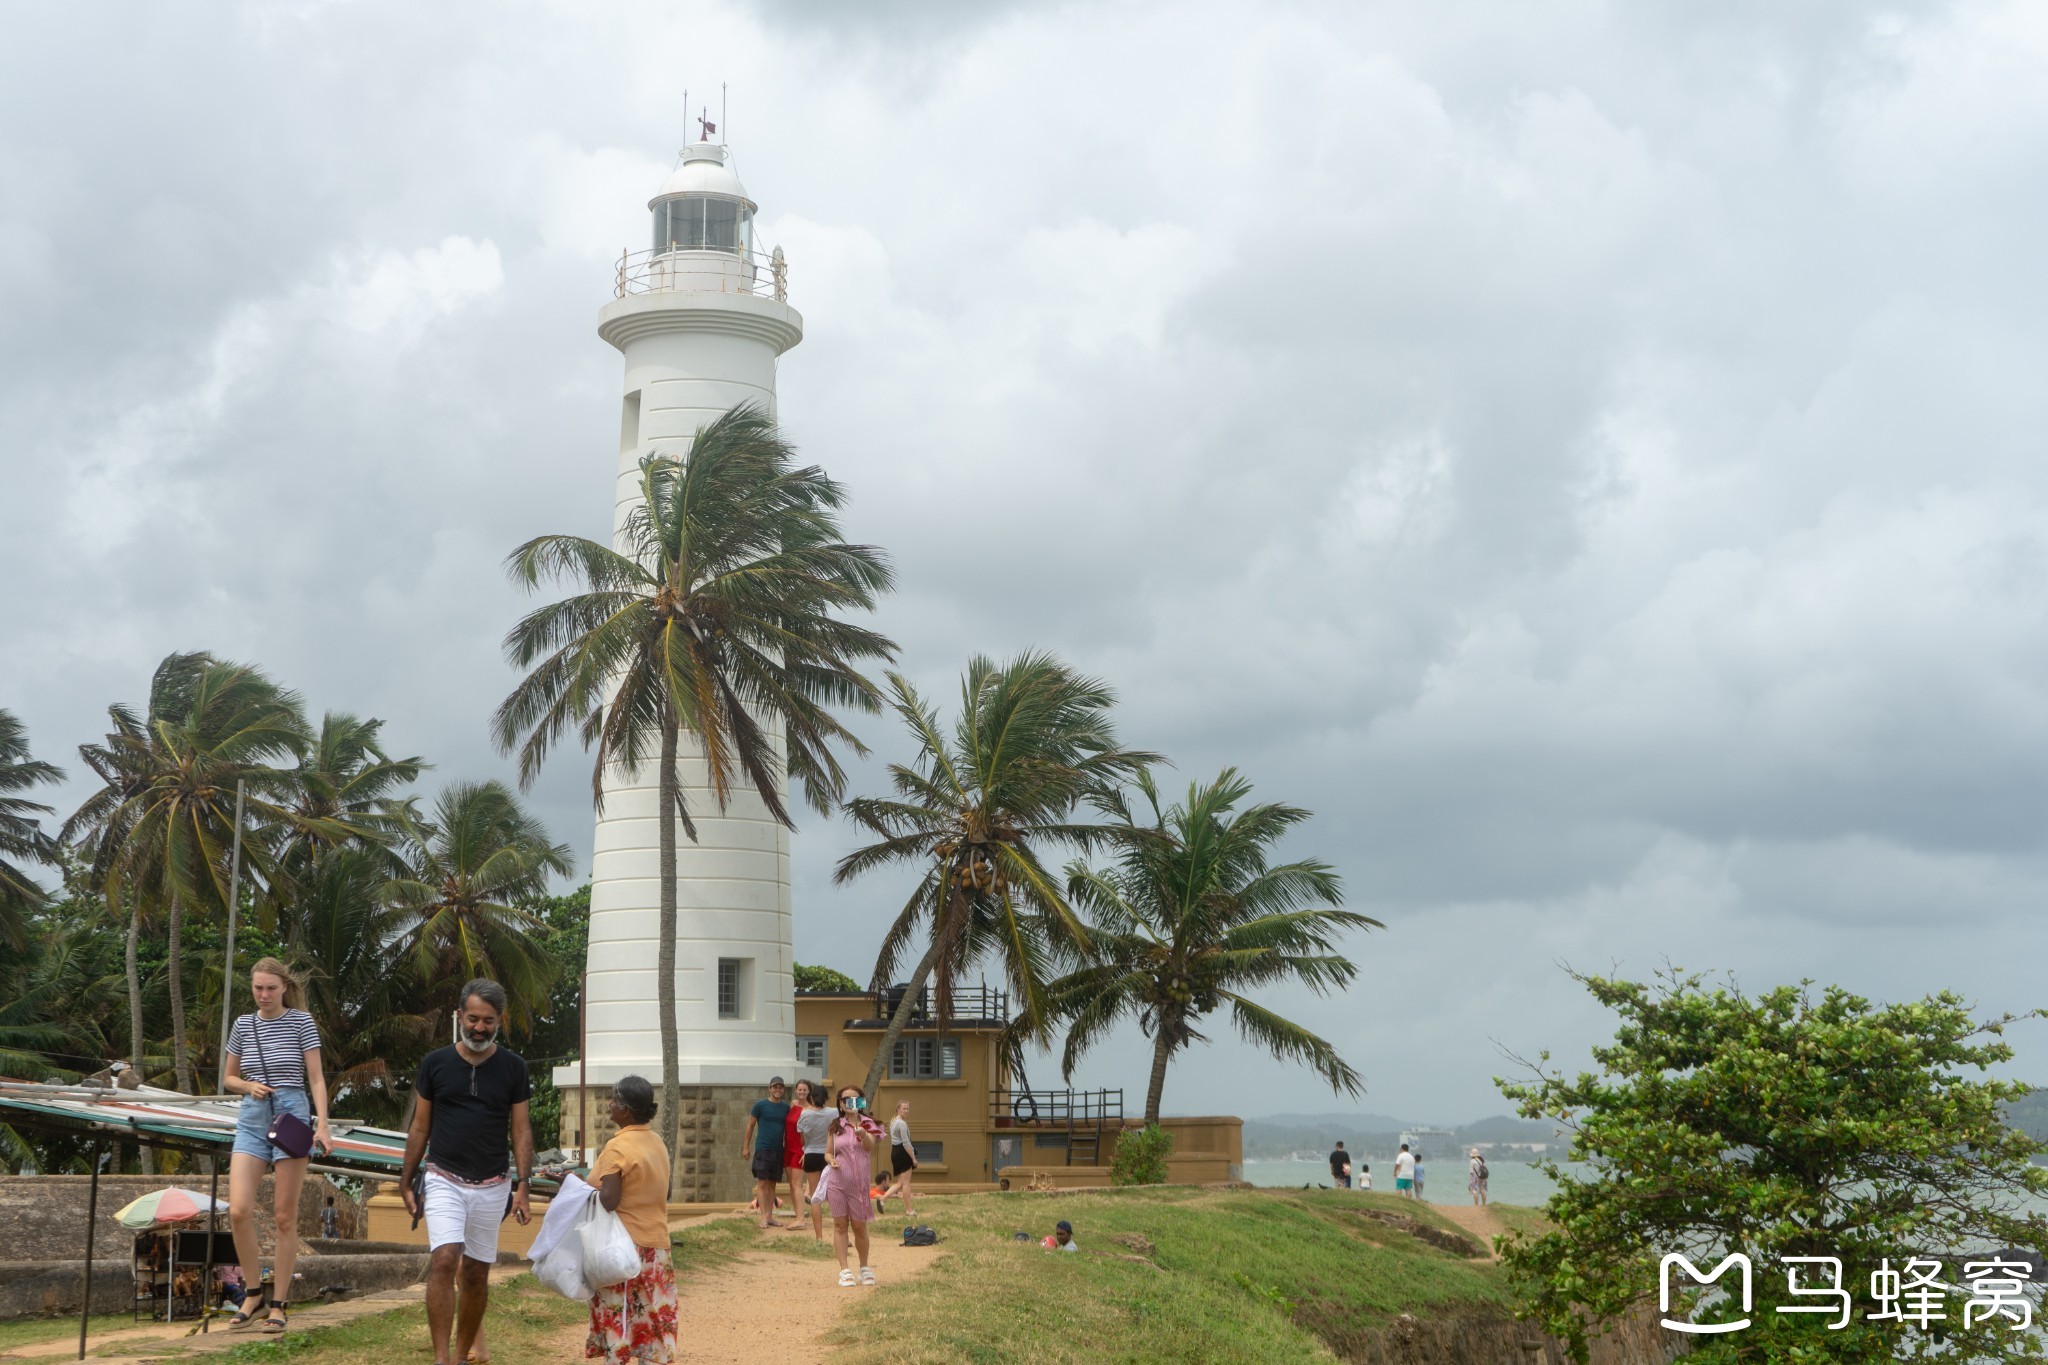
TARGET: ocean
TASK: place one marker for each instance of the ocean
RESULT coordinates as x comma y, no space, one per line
1508,1181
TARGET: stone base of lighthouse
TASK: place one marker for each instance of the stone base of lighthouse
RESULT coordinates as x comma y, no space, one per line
708,1167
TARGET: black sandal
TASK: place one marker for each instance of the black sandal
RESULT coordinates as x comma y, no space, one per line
276,1326
252,1305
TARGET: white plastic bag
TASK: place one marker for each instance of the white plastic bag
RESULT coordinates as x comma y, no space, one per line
610,1255
562,1270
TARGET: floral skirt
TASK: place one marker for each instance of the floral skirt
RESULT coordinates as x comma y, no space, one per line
636,1321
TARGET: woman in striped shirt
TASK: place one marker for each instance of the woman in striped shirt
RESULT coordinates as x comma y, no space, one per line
274,1061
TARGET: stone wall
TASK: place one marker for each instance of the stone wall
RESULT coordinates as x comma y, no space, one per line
44,1215
45,1289
708,1166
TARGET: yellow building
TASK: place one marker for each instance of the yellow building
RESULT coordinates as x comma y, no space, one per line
977,1123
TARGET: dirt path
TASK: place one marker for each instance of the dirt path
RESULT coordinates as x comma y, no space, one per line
1482,1222
769,1306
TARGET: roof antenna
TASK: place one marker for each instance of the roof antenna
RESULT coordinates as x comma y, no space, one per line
686,110
721,112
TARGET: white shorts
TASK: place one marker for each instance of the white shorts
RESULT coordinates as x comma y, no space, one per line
465,1214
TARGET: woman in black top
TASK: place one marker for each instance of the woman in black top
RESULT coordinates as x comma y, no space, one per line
273,1059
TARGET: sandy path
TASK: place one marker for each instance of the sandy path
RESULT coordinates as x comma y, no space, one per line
769,1306
1481,1221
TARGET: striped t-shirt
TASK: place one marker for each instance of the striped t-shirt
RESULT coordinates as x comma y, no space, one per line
286,1041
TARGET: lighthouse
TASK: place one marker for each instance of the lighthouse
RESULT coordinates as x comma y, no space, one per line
701,317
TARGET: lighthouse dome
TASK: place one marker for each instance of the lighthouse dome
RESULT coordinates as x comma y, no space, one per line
706,169
702,206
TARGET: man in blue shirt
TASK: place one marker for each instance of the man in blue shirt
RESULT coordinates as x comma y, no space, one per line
763,1146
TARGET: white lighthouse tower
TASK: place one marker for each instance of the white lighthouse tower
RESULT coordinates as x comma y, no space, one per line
701,318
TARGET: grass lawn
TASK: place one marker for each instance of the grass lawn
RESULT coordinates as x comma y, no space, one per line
524,1313
29,1331
1236,1275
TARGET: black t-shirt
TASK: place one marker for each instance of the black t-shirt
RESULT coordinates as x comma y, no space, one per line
469,1135
1339,1159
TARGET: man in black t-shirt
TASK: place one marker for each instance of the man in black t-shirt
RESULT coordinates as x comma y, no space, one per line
467,1096
1340,1167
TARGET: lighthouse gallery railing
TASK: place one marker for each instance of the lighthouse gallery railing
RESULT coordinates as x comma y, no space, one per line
728,272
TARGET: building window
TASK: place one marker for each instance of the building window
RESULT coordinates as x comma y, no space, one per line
629,424
925,1059
930,1153
810,1052
732,988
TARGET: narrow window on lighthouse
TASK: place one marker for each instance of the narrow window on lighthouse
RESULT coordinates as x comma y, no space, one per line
732,988
629,424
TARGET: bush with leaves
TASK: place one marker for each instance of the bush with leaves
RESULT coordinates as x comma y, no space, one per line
824,979
1141,1156
1784,1125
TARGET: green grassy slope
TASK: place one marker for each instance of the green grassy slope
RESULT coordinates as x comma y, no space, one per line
1234,1275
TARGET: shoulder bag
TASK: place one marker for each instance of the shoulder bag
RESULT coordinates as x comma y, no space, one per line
288,1133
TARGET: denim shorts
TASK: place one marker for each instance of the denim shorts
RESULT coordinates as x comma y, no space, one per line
252,1122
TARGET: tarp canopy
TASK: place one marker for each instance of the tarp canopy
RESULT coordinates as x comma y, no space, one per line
169,1118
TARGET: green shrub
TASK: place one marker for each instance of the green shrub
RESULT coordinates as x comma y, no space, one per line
809,978
1141,1156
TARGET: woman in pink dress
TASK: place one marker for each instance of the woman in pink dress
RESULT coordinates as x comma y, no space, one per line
849,1154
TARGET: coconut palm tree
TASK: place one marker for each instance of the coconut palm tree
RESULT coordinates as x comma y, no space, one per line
469,870
160,826
21,830
974,812
342,932
721,617
1190,918
347,790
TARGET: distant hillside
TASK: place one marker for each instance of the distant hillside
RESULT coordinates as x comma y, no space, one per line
2030,1115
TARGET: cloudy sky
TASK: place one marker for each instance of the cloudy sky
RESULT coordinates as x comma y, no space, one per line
1583,452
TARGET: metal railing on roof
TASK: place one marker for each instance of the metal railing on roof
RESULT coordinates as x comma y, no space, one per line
702,270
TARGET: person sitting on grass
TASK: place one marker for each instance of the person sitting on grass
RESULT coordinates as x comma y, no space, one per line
1062,1238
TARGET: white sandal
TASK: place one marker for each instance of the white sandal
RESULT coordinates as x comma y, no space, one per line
846,1279
867,1275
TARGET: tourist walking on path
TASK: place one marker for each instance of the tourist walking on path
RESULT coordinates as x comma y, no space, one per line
635,1320
467,1098
813,1128
1475,1183
1404,1173
1340,1167
793,1148
273,1060
902,1156
762,1146
850,1155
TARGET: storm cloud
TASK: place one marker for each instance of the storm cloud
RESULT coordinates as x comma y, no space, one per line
1591,456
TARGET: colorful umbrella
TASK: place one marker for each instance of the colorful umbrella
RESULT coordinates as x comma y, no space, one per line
166,1206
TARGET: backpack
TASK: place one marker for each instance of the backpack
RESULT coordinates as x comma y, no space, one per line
920,1236
1482,1168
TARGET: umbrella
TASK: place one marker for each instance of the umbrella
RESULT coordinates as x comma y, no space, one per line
166,1206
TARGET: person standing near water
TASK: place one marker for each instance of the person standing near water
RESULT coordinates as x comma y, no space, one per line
1404,1173
1475,1182
1340,1167
1418,1175
466,1097
273,1059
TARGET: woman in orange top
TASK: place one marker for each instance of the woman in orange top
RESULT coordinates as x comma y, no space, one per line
634,1323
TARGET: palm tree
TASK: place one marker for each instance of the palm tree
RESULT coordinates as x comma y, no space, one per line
1191,917
160,826
720,617
468,872
347,790
973,812
342,932
21,831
